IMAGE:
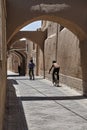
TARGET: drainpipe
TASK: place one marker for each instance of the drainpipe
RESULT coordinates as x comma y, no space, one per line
56,42
37,58
43,62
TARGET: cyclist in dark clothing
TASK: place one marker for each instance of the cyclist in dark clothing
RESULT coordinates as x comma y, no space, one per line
56,69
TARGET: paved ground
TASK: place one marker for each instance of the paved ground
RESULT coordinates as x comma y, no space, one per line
38,105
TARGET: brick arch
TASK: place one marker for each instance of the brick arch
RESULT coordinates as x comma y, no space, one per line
18,59
17,54
21,55
70,14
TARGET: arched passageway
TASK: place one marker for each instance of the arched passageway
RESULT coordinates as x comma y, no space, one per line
67,13
32,48
70,14
20,34
15,59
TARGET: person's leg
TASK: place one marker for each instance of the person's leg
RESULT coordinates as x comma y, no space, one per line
30,74
53,76
57,74
33,74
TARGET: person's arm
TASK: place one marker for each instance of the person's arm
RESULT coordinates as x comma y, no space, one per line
50,69
28,65
33,65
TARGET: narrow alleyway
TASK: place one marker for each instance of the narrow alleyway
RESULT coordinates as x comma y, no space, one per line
38,105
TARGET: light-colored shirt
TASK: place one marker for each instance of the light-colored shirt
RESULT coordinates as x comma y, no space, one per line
55,65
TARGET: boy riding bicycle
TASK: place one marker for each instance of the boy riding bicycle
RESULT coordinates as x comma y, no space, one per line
55,72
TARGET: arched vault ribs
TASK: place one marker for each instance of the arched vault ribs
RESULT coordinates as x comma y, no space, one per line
22,60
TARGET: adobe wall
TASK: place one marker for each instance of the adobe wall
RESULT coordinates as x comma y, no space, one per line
2,60
68,55
70,59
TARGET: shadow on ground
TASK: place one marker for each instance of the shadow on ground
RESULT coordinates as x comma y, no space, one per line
37,98
14,114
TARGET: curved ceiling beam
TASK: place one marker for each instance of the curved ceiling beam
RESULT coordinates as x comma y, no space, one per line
18,45
69,13
37,37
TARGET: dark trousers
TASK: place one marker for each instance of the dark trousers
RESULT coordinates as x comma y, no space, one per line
55,73
31,73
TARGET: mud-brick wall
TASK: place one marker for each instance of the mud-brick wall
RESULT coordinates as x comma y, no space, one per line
68,55
70,59
50,45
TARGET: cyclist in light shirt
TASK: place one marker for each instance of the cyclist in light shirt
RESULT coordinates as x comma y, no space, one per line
56,69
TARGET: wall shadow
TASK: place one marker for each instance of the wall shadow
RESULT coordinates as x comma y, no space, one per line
83,53
14,113
13,75
40,98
